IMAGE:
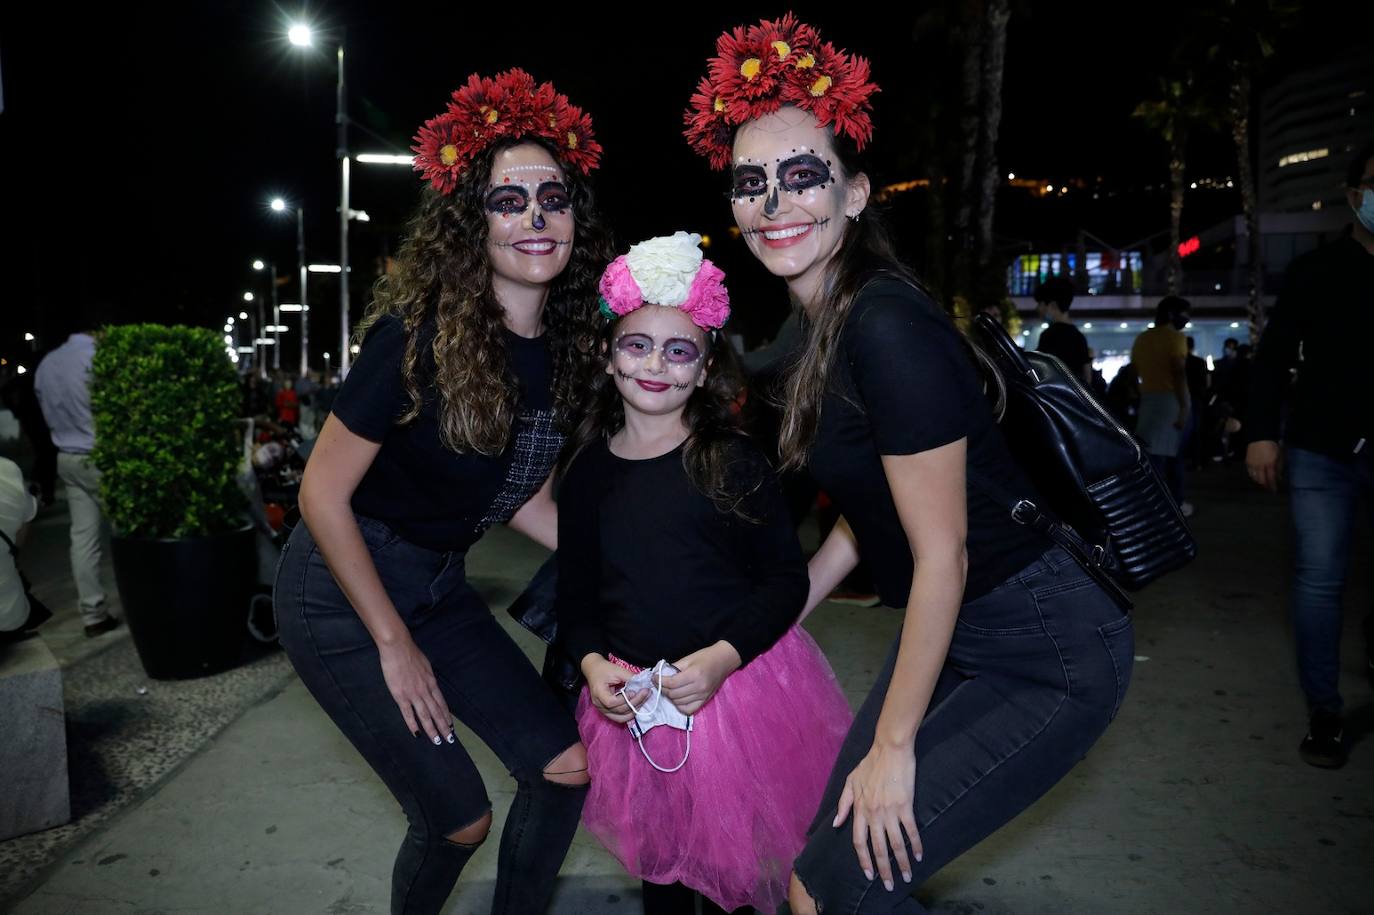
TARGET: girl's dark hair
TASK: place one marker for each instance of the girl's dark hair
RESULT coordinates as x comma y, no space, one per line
712,418
866,252
443,274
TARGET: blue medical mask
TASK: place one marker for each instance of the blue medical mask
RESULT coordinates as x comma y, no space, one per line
1365,211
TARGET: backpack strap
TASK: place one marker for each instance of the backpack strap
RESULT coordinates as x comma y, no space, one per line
1090,557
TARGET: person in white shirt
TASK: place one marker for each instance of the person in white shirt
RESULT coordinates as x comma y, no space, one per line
62,384
17,508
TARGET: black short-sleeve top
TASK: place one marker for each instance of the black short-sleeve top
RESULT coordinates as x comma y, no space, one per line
428,494
902,383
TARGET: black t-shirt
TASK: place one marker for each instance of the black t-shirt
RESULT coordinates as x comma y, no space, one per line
428,494
902,383
1061,339
649,568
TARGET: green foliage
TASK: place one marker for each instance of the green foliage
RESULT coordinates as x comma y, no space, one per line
164,400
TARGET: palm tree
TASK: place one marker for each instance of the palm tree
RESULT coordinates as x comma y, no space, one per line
1240,39
998,13
1177,111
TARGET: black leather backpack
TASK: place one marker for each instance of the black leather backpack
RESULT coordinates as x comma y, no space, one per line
1100,497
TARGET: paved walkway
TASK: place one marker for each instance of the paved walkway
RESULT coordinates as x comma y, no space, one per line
1194,801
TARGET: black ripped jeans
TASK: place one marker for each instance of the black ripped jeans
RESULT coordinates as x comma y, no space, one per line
489,685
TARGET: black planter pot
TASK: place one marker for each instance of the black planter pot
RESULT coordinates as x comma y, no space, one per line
186,601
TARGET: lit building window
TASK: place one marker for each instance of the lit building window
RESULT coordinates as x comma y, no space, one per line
1308,156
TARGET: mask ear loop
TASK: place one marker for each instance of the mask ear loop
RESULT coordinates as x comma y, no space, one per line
645,709
639,738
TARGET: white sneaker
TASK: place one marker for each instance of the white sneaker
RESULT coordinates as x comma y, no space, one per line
1186,508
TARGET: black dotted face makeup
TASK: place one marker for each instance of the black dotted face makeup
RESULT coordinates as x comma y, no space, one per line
794,175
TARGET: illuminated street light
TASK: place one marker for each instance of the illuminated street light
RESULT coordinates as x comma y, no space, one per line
28,338
258,265
300,35
243,316
248,296
278,204
21,370
385,159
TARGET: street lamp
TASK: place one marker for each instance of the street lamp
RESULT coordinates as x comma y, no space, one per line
302,36
279,205
260,364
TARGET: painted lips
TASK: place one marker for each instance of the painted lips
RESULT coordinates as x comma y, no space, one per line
656,387
786,236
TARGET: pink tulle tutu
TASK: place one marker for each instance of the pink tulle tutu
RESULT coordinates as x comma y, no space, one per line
730,821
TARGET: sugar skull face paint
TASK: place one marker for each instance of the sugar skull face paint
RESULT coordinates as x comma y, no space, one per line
530,220
674,350
790,195
657,357
794,175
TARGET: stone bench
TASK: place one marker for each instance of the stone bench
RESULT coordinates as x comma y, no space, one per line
34,791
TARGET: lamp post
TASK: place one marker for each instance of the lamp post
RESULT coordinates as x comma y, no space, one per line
279,205
260,366
302,36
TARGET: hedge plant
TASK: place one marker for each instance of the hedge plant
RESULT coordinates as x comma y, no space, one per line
164,400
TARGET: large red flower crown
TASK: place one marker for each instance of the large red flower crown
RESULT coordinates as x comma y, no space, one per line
783,62
488,109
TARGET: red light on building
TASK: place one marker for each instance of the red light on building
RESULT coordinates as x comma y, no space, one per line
1189,247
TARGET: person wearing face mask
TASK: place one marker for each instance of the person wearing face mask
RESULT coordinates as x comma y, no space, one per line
1160,357
1327,448
449,422
976,711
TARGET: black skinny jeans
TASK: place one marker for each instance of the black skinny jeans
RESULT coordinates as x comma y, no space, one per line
489,685
1036,669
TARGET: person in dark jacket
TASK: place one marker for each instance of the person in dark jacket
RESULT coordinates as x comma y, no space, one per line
1326,444
1062,338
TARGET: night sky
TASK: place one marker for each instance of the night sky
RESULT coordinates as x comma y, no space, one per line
138,146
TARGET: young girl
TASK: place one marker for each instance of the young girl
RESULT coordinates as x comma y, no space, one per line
675,545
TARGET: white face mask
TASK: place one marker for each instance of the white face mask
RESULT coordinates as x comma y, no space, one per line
1365,211
656,710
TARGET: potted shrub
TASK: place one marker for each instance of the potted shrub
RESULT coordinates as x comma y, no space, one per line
164,400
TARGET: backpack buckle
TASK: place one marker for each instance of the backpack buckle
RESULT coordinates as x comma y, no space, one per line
1024,512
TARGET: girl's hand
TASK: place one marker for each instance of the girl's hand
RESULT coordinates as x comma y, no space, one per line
416,691
881,793
604,682
699,675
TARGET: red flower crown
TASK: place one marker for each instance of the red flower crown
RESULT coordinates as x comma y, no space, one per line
783,62
490,109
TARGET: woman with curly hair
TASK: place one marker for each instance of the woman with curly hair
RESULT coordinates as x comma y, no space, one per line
451,421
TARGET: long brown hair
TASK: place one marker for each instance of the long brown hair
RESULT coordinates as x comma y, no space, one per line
866,252
712,417
443,274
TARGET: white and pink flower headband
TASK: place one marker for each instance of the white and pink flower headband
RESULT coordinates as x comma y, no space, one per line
668,270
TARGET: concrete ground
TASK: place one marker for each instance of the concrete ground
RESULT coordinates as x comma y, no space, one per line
1194,801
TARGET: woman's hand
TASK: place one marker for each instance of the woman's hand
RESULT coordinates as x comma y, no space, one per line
604,682
881,794
699,675
416,691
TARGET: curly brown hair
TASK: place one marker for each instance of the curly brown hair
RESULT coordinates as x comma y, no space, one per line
443,274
